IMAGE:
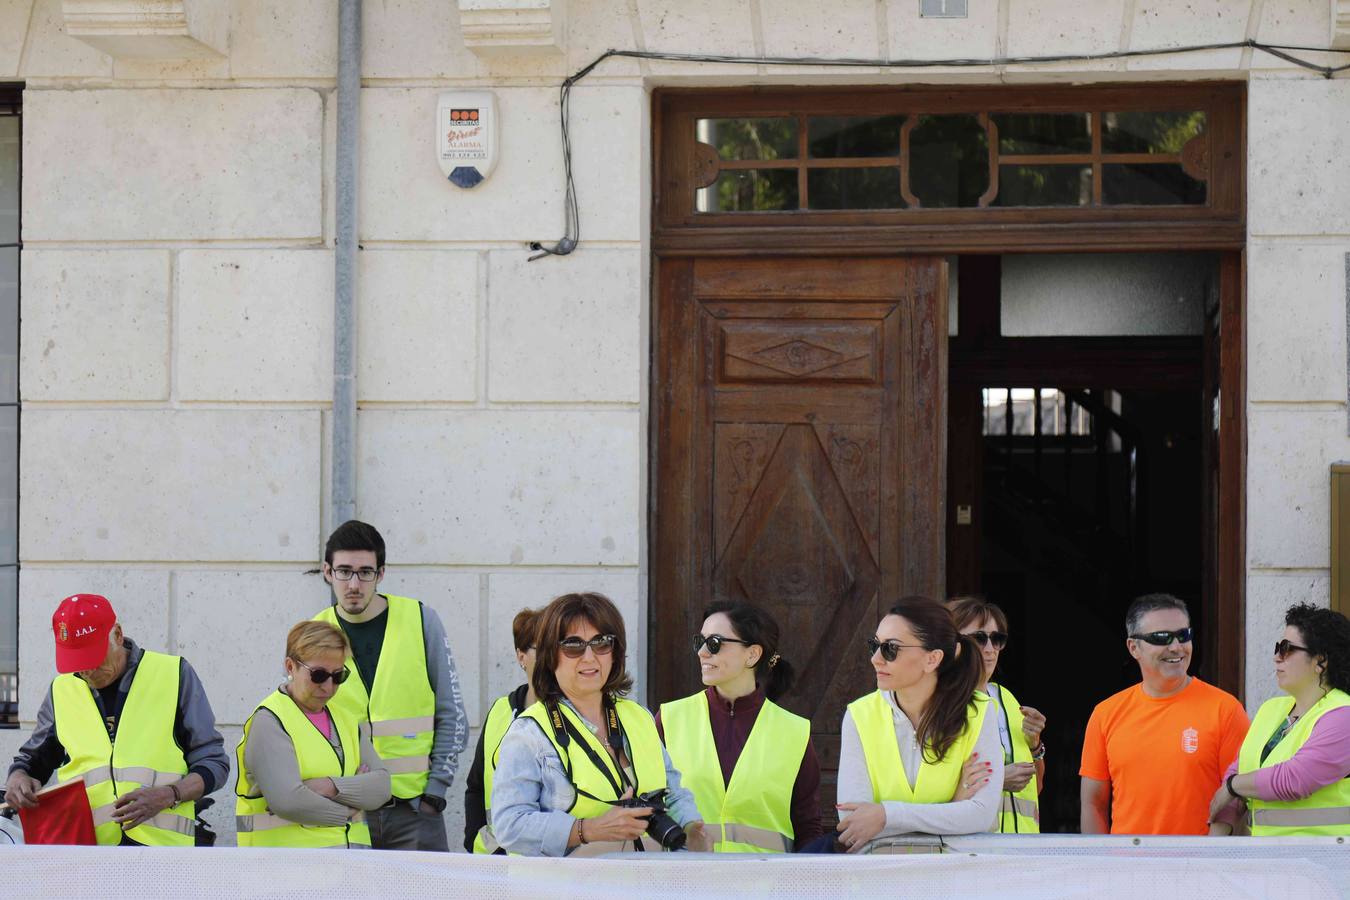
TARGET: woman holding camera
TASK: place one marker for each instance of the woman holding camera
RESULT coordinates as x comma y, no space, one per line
905,748
748,761
572,765
1293,771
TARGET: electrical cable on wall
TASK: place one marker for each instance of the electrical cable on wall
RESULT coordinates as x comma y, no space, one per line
572,211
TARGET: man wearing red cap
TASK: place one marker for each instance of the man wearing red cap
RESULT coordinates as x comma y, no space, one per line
134,724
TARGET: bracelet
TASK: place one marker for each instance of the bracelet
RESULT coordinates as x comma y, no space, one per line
1039,753
1229,784
177,797
581,831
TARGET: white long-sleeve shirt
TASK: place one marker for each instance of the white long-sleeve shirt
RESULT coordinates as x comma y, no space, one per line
979,813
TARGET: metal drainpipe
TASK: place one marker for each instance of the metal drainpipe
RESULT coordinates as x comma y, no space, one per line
344,298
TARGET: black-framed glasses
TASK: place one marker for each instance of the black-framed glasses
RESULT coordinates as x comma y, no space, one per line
889,649
1285,647
345,573
997,638
319,676
575,647
1163,638
715,642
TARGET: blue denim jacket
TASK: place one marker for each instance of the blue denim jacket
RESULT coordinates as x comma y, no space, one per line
530,791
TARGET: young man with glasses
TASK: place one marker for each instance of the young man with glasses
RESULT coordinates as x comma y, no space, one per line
404,686
1154,753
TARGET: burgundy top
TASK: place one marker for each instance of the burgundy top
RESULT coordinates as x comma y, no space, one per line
731,723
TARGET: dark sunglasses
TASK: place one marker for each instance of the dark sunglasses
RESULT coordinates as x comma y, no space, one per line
997,638
889,649
319,676
715,642
575,647
1284,648
1163,638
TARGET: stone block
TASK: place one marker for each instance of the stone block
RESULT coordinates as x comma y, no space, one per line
454,597
594,26
912,37
406,198
54,54
1298,180
565,330
415,39
1052,27
418,325
714,27
1269,594
232,625
142,484
255,325
503,487
223,164
296,39
95,325
134,29
849,30
1296,307
510,592
140,598
1289,457
14,16
1165,23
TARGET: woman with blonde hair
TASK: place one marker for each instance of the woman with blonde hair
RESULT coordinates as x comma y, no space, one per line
307,774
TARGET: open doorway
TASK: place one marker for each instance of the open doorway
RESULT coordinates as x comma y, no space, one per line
1082,444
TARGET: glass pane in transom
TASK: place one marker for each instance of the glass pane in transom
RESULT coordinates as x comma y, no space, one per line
768,138
750,190
1149,132
1042,133
948,161
1150,184
854,188
838,137
1044,185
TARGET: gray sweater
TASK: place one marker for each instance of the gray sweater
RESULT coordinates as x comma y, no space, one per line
269,756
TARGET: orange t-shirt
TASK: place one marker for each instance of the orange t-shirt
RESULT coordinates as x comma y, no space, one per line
1163,758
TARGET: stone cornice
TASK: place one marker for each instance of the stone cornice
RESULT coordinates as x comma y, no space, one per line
151,29
501,27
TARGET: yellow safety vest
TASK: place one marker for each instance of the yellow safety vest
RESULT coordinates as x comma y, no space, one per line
935,782
1324,812
498,721
753,812
1019,811
647,759
258,826
401,707
145,753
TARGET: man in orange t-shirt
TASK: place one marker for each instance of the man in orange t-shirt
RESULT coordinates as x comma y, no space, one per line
1154,754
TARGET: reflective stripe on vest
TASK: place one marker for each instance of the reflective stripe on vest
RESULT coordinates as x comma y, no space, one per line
936,781
499,718
648,762
753,812
1019,812
144,754
401,706
316,758
1324,812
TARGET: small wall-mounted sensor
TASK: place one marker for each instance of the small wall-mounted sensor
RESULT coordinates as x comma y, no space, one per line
944,9
466,136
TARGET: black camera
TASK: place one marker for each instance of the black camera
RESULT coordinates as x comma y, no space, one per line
660,826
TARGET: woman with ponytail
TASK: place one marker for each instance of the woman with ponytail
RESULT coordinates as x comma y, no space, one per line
748,761
914,754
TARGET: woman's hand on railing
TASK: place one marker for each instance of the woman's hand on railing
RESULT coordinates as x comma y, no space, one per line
863,822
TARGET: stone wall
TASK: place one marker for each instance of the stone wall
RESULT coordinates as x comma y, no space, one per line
177,283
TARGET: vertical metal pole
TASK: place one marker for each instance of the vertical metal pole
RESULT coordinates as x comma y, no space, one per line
344,300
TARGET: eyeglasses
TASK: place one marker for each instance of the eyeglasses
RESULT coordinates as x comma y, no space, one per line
889,649
319,676
1284,648
1163,638
715,642
997,638
575,647
342,573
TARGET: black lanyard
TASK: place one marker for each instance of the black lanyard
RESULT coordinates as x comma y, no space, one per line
564,732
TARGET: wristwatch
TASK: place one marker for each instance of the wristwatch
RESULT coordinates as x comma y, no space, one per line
436,803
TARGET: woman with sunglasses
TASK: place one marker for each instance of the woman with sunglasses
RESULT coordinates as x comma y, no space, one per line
570,764
905,748
307,774
1019,727
1293,771
748,761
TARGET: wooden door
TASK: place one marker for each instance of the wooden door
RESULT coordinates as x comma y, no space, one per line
798,449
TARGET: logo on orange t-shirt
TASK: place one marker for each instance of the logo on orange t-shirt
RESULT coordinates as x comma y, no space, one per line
1190,740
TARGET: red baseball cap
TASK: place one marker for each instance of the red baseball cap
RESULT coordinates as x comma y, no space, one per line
81,625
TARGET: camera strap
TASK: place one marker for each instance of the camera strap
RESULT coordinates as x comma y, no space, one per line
564,732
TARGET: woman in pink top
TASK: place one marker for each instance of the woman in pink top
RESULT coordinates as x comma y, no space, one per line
1312,666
